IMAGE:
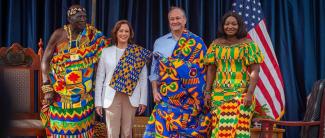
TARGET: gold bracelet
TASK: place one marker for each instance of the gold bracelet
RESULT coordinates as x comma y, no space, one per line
47,88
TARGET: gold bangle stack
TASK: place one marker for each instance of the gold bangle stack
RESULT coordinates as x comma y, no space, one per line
47,88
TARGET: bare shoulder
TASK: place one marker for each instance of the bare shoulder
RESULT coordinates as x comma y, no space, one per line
59,32
58,35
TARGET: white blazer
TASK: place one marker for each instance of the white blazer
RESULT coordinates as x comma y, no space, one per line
104,94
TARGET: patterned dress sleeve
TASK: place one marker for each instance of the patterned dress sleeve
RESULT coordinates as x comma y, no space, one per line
253,55
210,56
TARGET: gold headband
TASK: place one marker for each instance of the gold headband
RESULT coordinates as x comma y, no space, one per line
73,11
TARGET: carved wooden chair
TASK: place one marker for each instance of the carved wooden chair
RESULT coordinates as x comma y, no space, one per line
21,71
313,122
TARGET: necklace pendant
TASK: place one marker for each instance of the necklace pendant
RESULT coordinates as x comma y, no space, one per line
74,57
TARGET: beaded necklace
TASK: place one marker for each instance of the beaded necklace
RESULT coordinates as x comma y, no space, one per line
73,54
68,28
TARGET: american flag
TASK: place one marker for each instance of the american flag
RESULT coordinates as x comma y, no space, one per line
269,90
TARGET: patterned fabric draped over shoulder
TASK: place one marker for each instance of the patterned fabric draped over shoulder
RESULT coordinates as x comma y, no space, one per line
182,79
72,76
128,69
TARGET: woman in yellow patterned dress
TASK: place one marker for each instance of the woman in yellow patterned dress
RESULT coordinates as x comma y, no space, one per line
233,71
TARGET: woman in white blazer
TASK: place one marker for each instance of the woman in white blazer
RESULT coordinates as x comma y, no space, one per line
118,100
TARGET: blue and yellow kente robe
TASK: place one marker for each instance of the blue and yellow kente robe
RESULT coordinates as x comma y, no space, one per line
182,79
72,76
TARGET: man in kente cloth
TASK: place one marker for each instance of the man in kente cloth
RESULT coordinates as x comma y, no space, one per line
68,75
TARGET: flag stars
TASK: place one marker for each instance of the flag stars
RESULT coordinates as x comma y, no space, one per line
250,10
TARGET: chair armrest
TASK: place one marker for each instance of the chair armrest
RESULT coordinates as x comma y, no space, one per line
288,123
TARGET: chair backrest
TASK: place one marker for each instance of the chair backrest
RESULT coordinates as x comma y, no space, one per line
21,72
315,111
